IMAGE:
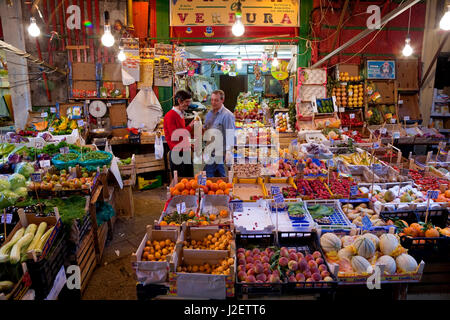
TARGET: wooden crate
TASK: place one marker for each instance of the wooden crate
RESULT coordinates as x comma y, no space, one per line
285,138
123,202
148,163
407,74
102,237
85,257
129,170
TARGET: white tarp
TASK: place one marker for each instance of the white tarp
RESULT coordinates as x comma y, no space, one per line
144,111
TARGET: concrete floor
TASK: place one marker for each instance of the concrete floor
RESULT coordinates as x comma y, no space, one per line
114,278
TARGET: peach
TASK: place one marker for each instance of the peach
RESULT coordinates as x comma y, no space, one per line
249,266
259,281
256,251
324,274
251,272
241,262
293,256
258,268
302,265
249,260
241,250
311,264
310,284
284,252
293,265
241,255
309,257
328,279
323,267
276,273
265,259
241,268
319,261
261,277
283,262
242,276
274,278
314,270
300,277
248,253
250,279
257,257
317,254
266,265
300,256
292,251
316,277
307,274
268,251
292,279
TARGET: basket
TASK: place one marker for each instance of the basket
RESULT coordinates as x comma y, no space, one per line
43,272
92,165
427,249
65,165
287,223
338,219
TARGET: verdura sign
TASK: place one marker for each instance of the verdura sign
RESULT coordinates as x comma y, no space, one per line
270,13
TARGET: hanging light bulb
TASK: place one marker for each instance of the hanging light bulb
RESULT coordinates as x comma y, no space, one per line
107,37
407,50
239,62
275,60
33,28
444,24
121,56
238,28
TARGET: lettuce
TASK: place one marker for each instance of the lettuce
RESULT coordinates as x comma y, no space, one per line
21,192
10,196
17,180
4,185
25,169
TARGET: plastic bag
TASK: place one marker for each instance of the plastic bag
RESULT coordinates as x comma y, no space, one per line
159,148
144,111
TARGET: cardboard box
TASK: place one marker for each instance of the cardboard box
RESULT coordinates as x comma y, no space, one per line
409,107
112,72
386,90
83,71
118,115
407,74
155,271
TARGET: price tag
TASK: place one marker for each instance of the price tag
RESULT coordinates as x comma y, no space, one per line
39,145
400,101
275,190
44,114
344,83
376,145
383,130
44,163
350,93
353,190
406,118
52,109
341,109
36,177
330,163
64,150
80,123
396,135
181,207
393,121
278,198
352,116
88,101
354,133
238,206
8,218
51,129
345,129
432,194
367,224
108,104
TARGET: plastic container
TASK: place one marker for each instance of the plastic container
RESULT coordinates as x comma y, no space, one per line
338,220
65,165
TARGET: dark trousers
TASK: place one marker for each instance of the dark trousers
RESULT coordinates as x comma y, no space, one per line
184,169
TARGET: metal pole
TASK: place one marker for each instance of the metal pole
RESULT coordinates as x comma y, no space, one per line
33,59
390,16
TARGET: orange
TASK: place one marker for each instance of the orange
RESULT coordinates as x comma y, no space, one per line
205,223
447,194
162,244
219,191
194,184
165,251
185,193
191,214
163,223
176,193
179,186
168,242
196,176
187,186
211,192
223,213
146,249
229,185
214,187
192,192
145,255
172,190
151,257
148,243
219,181
157,255
184,181
222,186
205,189
212,217
208,183
227,191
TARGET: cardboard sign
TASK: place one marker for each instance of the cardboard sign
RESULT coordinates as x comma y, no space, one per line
36,177
367,224
432,194
181,207
8,218
44,163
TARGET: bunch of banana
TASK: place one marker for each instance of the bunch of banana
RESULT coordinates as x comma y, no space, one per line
73,125
64,123
358,159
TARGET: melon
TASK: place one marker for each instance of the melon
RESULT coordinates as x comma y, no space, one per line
364,247
346,253
389,264
406,263
330,242
360,265
374,238
347,241
388,243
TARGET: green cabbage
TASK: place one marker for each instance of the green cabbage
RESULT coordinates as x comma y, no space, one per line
25,169
4,184
21,192
17,180
11,196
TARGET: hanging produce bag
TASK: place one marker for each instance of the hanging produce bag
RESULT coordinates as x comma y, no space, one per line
93,160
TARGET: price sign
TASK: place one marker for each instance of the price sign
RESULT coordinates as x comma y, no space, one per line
8,218
80,123
345,129
108,104
44,114
53,110
238,206
64,150
51,129
344,83
341,109
367,224
376,145
44,163
181,207
406,118
400,101
383,130
88,101
278,198
354,133
353,190
350,93
36,177
352,116
330,163
275,190
392,120
396,135
432,194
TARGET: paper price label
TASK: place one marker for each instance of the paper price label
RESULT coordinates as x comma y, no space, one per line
275,190
353,190
432,194
341,109
376,145
400,101
181,207
344,83
8,218
39,145
53,110
345,129
238,206
64,150
278,198
383,130
396,135
44,163
350,93
36,177
352,116
88,101
44,114
406,118
367,224
108,104
51,129
80,123
354,133
392,120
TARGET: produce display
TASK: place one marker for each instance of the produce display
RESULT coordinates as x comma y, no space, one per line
356,213
62,181
314,167
282,122
397,195
351,96
359,159
340,187
351,121
312,189
320,213
247,170
296,210
176,219
221,240
248,109
286,169
427,182
221,268
158,250
188,187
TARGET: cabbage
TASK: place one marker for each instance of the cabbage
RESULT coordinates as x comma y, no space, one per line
10,196
25,169
4,184
21,192
4,201
17,180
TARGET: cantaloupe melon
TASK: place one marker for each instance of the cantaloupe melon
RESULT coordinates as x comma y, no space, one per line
330,242
364,247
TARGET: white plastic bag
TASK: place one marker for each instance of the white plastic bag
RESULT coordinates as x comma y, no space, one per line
144,111
159,148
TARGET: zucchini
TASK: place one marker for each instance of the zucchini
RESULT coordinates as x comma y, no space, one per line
6,249
23,242
39,233
40,245
31,229
6,285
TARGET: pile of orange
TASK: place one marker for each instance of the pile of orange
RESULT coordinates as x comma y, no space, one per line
185,187
158,250
221,240
222,268
219,187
